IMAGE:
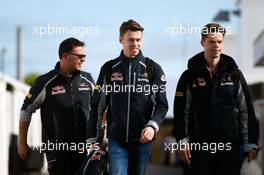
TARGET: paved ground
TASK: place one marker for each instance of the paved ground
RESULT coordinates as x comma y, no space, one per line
163,170
151,170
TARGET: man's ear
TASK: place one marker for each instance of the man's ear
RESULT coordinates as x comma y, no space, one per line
64,56
202,42
120,39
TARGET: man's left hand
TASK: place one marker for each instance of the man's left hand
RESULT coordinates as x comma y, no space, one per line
252,154
147,134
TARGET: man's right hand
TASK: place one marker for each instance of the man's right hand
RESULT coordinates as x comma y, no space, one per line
185,155
23,148
23,151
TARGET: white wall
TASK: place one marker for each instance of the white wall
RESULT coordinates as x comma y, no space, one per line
250,26
10,104
230,46
3,131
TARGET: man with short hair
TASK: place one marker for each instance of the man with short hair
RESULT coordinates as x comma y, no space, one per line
132,92
63,95
213,110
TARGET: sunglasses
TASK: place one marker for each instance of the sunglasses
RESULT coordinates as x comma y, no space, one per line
77,55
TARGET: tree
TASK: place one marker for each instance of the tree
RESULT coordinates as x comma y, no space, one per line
30,78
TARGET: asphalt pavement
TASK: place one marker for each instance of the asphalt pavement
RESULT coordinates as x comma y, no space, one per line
163,170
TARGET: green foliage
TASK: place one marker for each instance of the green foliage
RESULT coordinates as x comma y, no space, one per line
30,78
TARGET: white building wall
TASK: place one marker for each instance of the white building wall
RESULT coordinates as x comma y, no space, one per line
230,46
250,26
3,131
10,104
259,49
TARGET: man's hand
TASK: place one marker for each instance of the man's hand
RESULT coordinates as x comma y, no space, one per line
23,150
252,154
147,134
185,155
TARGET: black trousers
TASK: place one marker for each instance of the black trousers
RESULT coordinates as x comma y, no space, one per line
219,163
64,162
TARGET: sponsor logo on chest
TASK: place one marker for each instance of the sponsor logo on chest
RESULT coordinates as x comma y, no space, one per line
58,90
227,82
84,87
117,76
143,77
199,82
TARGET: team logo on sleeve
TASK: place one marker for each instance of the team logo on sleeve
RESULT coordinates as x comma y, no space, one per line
162,78
29,95
58,90
179,94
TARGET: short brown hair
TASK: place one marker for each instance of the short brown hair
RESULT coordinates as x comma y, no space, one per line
212,28
68,44
130,25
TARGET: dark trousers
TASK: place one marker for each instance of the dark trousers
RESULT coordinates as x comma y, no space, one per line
64,162
219,163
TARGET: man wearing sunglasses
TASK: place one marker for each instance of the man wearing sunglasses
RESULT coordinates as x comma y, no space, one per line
63,95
